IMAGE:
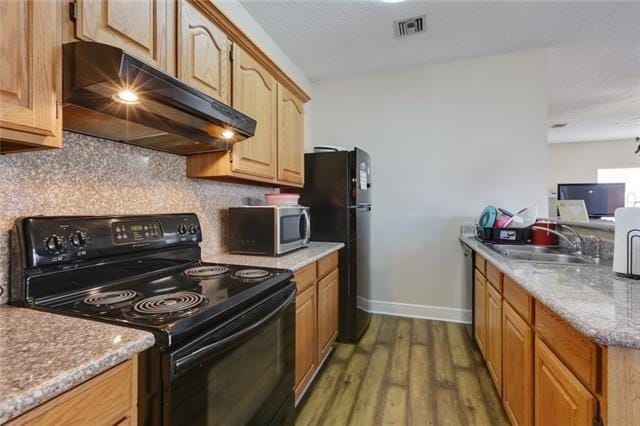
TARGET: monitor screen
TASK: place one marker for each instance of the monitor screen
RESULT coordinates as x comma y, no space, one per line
601,199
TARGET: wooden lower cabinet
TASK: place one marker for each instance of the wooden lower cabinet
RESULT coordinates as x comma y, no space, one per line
517,367
480,312
316,318
560,398
328,312
107,399
306,338
494,336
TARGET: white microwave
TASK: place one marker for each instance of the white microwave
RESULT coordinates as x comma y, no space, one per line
268,230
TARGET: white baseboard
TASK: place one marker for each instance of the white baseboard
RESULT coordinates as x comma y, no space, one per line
415,311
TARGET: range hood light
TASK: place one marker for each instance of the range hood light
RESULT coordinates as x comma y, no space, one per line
227,134
127,97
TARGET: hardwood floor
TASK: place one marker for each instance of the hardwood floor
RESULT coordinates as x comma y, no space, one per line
404,372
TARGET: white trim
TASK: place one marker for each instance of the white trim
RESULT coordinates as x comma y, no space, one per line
415,311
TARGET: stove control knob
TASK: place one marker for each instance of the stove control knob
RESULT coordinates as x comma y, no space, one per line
54,243
193,230
182,229
78,239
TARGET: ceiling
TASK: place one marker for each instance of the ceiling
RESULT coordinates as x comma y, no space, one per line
594,48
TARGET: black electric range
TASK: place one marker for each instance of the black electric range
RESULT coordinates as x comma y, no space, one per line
215,324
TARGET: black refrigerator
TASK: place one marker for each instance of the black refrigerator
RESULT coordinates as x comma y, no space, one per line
338,191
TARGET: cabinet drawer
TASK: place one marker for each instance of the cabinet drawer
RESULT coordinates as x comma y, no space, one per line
327,264
494,276
481,264
518,298
576,351
305,277
107,399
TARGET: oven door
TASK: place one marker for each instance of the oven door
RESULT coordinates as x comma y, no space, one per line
293,228
239,373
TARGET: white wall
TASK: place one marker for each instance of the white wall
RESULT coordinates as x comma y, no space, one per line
579,162
247,23
445,141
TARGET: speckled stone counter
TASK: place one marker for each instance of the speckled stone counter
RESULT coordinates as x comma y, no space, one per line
293,261
601,305
43,355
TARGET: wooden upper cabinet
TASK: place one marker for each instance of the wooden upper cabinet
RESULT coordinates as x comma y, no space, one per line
30,75
517,367
255,94
290,137
203,53
143,28
560,398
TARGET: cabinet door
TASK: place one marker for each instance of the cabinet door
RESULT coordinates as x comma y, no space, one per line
494,336
29,74
327,312
560,398
255,94
517,365
142,27
203,53
480,313
306,337
290,138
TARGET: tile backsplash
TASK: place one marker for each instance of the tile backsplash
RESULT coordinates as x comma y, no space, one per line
91,176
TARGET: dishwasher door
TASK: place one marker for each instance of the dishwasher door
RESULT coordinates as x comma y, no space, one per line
469,283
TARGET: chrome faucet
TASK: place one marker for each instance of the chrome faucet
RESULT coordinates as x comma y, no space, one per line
577,244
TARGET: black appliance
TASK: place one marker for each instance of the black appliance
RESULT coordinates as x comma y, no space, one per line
268,230
601,199
338,190
469,277
224,350
110,94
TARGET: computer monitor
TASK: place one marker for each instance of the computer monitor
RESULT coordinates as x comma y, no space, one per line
601,199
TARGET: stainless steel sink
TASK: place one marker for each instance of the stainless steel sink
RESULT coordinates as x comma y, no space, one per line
539,254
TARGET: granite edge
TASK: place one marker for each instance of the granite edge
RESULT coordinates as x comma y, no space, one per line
621,339
38,395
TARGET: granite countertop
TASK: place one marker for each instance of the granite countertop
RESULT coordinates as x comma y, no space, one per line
293,261
43,354
599,304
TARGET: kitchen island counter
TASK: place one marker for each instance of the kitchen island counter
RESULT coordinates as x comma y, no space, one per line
602,306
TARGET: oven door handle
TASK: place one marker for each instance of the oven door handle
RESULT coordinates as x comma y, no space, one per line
183,364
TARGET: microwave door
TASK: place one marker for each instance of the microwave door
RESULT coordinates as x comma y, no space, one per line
293,230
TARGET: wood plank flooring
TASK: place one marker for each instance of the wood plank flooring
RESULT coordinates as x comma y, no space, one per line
404,372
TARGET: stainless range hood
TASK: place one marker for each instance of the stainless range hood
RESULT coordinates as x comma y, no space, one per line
112,95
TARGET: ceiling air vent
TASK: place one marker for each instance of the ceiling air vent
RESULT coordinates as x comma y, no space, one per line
406,27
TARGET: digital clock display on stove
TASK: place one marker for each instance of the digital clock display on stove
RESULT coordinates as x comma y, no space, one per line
135,232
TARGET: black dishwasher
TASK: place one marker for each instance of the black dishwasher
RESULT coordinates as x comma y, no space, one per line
468,278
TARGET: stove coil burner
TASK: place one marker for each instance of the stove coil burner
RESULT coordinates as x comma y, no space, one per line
206,271
110,297
252,274
169,303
